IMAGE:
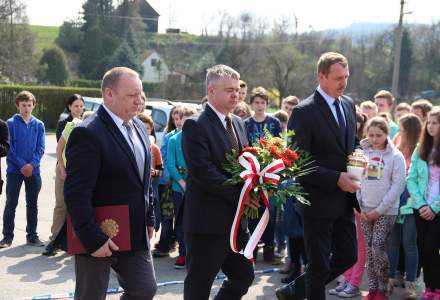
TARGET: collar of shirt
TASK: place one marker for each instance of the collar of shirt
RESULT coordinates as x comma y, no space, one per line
330,102
329,99
118,121
221,116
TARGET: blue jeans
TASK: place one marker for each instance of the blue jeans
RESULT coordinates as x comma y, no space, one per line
406,234
32,187
178,201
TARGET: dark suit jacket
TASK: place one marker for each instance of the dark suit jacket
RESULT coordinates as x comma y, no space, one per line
209,204
101,171
317,132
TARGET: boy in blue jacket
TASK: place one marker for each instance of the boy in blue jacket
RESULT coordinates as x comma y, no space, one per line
24,156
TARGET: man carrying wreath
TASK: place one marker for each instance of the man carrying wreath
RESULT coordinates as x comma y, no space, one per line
210,205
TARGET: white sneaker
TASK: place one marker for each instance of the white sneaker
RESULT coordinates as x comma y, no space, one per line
349,291
339,288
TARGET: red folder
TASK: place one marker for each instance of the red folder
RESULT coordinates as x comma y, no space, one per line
114,221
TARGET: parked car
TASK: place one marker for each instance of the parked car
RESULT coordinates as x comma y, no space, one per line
159,110
90,103
428,94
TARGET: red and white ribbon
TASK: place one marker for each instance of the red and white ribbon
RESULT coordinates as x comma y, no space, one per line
251,175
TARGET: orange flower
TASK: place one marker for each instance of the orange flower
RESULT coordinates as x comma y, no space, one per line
263,141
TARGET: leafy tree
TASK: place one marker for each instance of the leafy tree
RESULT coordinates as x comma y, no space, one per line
17,42
53,67
70,37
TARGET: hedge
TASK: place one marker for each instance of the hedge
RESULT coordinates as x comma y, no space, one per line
51,100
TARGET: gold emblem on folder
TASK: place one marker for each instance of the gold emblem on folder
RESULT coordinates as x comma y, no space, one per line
110,227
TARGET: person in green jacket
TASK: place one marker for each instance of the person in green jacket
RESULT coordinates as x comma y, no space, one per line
177,168
423,184
404,232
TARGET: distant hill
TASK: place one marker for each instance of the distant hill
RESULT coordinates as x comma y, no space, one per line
357,30
45,37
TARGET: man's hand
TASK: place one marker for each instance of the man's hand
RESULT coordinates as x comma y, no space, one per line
27,170
150,231
426,213
348,183
106,249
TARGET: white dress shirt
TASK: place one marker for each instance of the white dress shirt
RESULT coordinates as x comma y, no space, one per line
330,101
118,121
221,116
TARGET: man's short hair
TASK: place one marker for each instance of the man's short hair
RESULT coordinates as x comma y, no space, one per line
282,116
243,84
386,95
424,105
259,92
113,76
328,59
220,71
25,96
291,100
403,106
369,105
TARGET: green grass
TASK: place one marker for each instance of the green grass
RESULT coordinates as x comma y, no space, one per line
45,37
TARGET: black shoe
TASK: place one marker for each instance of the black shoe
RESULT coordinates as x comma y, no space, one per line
5,243
294,273
296,290
51,249
35,242
159,253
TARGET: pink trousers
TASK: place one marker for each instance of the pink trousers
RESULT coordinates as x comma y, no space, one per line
354,274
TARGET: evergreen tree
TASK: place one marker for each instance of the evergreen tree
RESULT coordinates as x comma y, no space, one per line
70,37
99,38
53,67
124,56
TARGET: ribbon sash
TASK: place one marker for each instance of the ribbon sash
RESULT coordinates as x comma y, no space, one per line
251,175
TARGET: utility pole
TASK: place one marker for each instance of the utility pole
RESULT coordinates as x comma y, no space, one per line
398,48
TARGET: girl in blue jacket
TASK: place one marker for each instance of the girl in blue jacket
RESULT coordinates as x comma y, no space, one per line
424,188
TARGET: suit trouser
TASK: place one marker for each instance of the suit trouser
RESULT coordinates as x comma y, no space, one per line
205,256
59,211
135,275
331,249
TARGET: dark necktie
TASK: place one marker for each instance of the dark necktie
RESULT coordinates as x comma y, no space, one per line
231,134
342,127
137,149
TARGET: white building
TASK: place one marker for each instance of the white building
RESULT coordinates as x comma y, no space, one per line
156,70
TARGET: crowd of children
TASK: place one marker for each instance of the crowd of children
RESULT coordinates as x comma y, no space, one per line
398,228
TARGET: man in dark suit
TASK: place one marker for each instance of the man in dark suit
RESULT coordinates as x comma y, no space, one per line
325,127
108,163
210,205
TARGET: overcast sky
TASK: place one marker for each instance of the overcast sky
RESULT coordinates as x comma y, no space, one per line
194,15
